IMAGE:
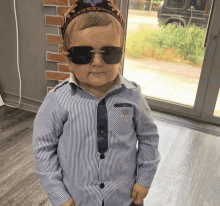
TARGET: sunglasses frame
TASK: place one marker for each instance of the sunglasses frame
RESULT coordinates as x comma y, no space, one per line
66,52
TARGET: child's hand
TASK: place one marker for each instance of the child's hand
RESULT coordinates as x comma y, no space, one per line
70,202
139,193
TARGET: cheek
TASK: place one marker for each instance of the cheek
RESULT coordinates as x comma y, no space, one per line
113,70
117,67
80,70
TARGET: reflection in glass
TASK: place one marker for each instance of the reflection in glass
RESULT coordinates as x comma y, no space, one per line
217,106
166,60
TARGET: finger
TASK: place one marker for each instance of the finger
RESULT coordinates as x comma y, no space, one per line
134,195
134,199
139,200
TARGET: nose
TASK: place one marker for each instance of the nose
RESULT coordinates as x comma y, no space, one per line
97,59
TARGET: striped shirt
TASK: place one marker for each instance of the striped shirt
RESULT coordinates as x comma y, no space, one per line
86,147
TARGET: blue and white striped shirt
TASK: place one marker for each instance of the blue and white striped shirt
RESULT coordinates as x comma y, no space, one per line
85,147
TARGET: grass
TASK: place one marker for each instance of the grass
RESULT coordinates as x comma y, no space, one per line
169,43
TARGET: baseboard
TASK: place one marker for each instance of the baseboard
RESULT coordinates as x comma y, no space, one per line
25,104
172,118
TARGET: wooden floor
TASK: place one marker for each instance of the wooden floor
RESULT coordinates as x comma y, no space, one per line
188,173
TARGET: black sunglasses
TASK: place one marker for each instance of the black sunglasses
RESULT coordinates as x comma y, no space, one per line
83,54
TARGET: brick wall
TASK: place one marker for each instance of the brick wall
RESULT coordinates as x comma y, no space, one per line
62,69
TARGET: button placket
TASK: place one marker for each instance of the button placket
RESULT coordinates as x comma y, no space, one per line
102,127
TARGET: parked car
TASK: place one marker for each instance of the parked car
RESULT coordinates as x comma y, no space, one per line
179,12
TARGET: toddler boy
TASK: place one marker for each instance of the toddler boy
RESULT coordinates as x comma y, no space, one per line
87,128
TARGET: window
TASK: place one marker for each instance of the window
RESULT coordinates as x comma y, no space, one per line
176,3
201,5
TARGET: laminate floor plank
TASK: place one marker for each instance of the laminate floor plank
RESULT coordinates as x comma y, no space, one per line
8,112
11,153
9,197
16,172
167,137
27,121
205,187
41,196
189,175
12,117
33,195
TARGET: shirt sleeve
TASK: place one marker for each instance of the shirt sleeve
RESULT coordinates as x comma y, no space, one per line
148,156
47,128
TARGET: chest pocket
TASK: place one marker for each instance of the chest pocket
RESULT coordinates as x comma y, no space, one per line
121,118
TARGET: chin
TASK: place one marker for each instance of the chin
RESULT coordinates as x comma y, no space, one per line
98,84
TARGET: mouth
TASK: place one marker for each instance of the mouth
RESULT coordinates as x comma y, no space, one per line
97,72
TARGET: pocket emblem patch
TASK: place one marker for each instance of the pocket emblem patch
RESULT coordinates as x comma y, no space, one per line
124,113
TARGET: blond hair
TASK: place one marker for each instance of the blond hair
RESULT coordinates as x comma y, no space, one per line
91,19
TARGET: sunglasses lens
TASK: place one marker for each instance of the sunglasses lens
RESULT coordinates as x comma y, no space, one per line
80,54
83,54
112,55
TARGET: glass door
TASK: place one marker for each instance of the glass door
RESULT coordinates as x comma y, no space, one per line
170,58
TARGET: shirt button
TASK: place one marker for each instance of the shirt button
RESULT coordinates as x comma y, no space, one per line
102,185
101,128
102,156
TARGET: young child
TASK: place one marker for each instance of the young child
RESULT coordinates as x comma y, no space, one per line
86,130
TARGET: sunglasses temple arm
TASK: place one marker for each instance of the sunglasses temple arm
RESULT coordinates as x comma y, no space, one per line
66,53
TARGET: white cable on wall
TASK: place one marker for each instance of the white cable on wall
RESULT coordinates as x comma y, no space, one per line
17,59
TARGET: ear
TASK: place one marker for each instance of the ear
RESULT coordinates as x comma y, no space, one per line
66,59
120,64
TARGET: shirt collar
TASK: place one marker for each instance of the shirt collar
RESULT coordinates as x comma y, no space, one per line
120,80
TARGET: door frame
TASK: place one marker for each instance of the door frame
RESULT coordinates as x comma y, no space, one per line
209,82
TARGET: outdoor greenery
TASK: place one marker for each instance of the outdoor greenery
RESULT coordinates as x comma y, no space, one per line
169,43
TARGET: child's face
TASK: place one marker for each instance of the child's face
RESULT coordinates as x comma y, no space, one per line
97,37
